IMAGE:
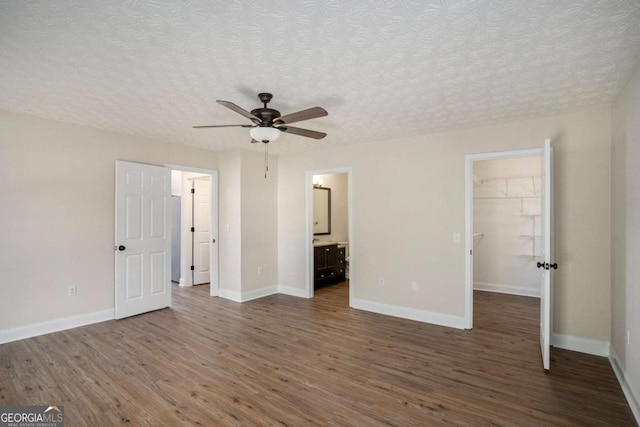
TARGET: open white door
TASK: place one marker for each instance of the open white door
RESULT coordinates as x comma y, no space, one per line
201,229
143,240
546,263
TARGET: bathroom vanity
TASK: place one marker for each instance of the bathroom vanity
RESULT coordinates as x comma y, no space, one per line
329,264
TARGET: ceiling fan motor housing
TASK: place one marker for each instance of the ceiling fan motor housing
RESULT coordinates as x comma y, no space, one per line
267,115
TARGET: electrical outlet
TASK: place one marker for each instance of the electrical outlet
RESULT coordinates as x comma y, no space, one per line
259,271
73,291
381,281
414,286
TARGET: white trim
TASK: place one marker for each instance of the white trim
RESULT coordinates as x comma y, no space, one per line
630,392
213,254
583,345
41,328
249,295
468,217
468,241
308,182
295,292
506,289
259,293
230,295
424,316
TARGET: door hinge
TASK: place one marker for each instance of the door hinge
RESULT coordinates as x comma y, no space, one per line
193,229
192,268
193,191
471,252
213,240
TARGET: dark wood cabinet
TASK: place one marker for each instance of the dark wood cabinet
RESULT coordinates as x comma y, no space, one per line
329,265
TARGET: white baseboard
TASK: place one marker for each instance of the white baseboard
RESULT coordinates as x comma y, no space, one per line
230,295
296,292
629,390
583,345
249,295
425,316
506,289
41,328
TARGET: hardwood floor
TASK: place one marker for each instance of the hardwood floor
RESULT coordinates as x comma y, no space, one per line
282,360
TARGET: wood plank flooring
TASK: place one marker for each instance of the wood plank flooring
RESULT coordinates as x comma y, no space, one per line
287,361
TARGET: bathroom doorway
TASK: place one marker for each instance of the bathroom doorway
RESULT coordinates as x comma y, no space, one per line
329,230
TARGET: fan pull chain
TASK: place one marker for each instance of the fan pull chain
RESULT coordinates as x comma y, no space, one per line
266,160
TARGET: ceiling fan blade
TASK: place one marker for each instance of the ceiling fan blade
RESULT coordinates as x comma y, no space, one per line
303,132
222,126
309,113
241,111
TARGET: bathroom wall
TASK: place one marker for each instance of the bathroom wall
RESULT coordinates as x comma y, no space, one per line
506,210
339,185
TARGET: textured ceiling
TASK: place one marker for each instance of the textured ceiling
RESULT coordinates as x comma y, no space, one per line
381,68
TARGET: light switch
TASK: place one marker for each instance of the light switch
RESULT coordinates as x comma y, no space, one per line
226,228
456,237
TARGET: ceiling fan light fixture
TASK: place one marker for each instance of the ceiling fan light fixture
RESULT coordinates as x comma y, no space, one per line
264,133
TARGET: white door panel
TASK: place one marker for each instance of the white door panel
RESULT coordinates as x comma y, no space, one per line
142,238
202,233
546,256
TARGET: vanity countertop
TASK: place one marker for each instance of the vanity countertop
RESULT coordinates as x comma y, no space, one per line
324,243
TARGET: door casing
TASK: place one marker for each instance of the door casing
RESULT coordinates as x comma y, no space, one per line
213,254
309,227
469,159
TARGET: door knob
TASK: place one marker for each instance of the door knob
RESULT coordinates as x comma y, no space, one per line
546,266
121,248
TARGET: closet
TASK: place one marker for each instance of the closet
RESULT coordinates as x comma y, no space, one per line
506,215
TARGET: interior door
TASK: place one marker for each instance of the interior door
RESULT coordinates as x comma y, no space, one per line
546,263
202,230
143,241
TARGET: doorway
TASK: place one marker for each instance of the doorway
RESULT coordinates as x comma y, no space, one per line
540,255
194,247
506,224
329,232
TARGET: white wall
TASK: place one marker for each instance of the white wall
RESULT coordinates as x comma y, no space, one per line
57,217
259,222
339,185
506,212
408,199
230,255
625,204
176,183
248,206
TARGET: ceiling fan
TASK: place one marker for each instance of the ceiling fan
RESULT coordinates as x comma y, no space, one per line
268,123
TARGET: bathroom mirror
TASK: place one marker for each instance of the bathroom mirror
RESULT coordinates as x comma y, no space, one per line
321,211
